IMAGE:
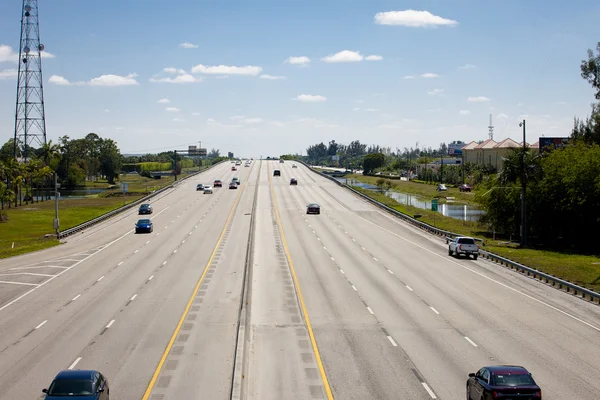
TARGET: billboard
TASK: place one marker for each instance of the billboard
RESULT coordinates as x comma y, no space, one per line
335,158
455,148
551,143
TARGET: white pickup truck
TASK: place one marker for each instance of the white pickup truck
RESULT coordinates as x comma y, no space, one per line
463,245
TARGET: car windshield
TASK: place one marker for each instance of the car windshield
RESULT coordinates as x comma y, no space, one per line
143,221
513,380
466,241
63,387
145,205
313,206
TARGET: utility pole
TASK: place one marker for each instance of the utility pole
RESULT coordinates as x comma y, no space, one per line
56,220
175,165
523,190
441,167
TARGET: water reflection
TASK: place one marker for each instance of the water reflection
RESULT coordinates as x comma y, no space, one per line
464,212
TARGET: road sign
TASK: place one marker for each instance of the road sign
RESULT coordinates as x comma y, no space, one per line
434,205
124,187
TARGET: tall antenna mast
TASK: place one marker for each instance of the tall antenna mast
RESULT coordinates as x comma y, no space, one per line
491,129
30,118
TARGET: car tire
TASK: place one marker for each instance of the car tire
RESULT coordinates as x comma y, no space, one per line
475,257
449,252
136,231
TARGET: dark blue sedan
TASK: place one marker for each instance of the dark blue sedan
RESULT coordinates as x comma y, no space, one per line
80,384
510,382
144,225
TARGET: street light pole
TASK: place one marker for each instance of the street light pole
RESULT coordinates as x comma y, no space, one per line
523,191
56,220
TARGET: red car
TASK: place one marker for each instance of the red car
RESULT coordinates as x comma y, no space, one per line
503,381
217,183
233,168
464,188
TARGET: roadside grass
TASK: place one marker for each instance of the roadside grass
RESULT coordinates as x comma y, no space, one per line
583,270
27,225
421,189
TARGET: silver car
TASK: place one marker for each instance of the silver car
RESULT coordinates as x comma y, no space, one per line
208,189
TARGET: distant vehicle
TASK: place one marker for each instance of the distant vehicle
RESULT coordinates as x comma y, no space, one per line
464,188
463,245
79,384
144,225
441,187
233,185
247,165
280,161
217,183
294,166
277,173
293,181
199,187
234,168
236,180
145,209
313,209
503,382
208,189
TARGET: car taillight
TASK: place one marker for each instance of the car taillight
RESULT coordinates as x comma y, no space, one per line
495,394
538,394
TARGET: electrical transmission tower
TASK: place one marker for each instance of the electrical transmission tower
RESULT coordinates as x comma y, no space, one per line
30,119
491,129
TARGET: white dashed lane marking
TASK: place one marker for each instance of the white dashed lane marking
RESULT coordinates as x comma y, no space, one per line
75,363
41,324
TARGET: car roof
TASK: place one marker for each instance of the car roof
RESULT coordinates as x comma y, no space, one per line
313,204
76,374
507,370
217,180
144,220
145,205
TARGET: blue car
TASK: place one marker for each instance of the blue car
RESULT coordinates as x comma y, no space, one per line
143,225
80,384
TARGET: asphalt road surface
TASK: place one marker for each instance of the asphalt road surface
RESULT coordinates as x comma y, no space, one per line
241,294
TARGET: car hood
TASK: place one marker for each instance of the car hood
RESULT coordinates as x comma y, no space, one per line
89,397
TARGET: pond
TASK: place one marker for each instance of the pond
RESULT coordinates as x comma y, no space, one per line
464,212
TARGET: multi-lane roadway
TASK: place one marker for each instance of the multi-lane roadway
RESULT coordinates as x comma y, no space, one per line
241,294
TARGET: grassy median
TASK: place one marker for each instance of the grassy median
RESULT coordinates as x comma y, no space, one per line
583,270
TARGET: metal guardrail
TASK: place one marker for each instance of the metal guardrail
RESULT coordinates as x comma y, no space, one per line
110,214
576,290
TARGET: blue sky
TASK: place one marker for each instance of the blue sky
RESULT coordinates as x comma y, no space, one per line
114,61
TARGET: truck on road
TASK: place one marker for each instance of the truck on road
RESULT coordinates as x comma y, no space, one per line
463,245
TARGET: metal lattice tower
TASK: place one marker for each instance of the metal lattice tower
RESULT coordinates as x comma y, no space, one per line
491,129
30,118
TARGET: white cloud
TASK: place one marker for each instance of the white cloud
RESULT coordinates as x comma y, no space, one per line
430,75
343,56
59,80
277,123
477,99
188,45
227,70
467,66
309,98
252,120
172,109
272,77
409,77
464,112
373,58
8,73
163,101
502,116
106,110
412,18
356,109
301,60
45,54
372,109
178,120
114,80
183,77
171,70
195,114
435,92
7,54
562,103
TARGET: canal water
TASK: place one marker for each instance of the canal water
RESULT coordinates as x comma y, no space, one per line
464,212
69,194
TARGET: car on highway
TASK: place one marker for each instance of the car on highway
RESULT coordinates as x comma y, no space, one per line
234,168
236,180
233,185
280,161
199,187
78,384
208,189
313,208
217,183
464,188
145,209
293,181
441,187
294,166
144,225
502,382
276,172
462,245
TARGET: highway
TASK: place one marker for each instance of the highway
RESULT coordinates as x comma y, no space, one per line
241,294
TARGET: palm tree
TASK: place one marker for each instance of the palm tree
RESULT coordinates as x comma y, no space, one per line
48,152
520,164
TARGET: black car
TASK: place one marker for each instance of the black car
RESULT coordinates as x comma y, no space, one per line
293,181
145,209
233,185
199,187
79,384
144,225
277,173
502,382
313,209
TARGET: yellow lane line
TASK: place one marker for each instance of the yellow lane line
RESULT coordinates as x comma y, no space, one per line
189,304
311,334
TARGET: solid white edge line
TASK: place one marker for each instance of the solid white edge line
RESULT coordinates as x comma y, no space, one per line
470,341
112,321
76,297
431,394
392,341
75,363
435,311
371,311
133,297
41,324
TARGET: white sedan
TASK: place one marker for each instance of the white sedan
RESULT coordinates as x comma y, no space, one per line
208,189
